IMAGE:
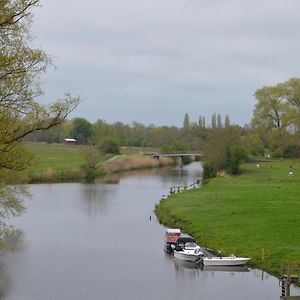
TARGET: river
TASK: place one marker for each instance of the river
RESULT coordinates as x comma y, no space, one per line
97,241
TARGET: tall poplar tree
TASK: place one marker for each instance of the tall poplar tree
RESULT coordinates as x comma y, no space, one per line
186,123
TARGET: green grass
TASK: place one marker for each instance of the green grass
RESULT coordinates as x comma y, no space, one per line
257,212
55,161
57,156
59,162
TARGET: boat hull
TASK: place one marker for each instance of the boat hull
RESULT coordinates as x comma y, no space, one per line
225,261
187,256
168,247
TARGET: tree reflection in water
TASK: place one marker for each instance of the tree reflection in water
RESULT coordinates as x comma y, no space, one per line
13,242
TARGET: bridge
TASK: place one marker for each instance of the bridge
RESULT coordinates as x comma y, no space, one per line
174,154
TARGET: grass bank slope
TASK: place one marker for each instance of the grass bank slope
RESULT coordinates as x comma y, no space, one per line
256,214
59,162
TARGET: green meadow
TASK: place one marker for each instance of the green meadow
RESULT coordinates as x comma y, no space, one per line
59,162
55,161
256,214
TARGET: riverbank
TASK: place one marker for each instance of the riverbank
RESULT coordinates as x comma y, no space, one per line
255,214
64,163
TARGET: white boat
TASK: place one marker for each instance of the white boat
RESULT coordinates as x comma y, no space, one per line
187,249
225,261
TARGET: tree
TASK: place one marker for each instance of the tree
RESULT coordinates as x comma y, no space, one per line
20,111
277,112
223,151
81,131
201,122
219,121
186,123
20,67
214,120
291,90
270,108
227,121
109,146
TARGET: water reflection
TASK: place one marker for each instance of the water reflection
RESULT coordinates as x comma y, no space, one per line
95,198
228,269
95,241
5,282
14,242
171,175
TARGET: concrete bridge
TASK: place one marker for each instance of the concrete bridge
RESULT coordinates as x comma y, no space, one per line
174,154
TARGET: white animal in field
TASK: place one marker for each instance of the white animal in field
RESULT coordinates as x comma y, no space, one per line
291,173
258,165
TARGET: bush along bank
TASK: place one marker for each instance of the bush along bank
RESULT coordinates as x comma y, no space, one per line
254,214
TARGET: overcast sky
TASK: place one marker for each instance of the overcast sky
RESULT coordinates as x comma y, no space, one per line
152,61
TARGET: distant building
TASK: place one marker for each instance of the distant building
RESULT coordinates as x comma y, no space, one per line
70,141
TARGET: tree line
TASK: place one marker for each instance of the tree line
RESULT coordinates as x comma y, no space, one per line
273,132
190,136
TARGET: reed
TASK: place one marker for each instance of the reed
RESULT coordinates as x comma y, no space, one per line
133,162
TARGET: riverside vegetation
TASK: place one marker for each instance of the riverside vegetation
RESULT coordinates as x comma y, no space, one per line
255,214
58,162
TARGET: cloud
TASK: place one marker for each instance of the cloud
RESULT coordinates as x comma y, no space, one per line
181,56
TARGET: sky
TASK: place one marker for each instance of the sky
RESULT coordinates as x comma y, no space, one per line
153,61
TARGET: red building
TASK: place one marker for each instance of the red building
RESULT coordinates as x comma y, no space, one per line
70,142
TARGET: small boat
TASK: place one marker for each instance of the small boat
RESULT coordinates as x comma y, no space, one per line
171,237
225,261
187,249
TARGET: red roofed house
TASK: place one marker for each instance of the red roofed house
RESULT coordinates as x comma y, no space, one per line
70,141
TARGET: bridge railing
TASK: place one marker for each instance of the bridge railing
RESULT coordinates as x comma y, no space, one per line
174,153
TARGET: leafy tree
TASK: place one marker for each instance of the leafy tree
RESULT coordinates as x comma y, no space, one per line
223,151
238,154
20,111
109,146
270,108
277,112
292,94
81,131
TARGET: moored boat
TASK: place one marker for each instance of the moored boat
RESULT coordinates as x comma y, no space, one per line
172,235
225,261
187,249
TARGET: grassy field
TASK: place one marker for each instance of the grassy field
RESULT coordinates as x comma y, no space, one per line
55,161
59,162
256,214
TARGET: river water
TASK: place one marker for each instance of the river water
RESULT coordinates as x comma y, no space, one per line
97,241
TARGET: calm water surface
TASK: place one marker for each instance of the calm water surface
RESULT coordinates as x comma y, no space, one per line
96,241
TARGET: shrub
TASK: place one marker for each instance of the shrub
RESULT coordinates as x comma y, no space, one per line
109,146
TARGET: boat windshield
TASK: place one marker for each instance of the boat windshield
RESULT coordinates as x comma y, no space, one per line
190,245
173,234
